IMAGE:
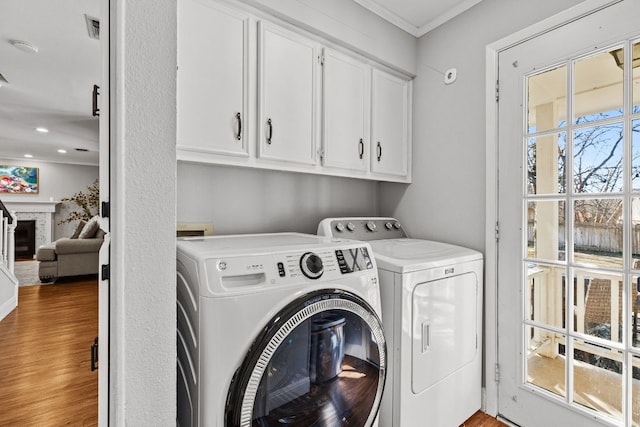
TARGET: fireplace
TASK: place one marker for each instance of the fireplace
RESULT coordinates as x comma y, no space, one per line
25,239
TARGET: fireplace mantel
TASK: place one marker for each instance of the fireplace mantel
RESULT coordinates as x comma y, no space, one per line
32,206
41,211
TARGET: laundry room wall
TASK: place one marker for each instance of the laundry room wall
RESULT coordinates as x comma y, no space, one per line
244,200
446,200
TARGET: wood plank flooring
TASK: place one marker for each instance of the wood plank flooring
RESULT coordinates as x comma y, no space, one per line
480,419
45,360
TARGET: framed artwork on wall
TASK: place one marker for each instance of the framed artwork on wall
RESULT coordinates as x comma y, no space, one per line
18,179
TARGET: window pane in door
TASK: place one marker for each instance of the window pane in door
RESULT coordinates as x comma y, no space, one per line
546,293
546,172
546,103
636,77
597,232
597,159
598,304
544,366
635,159
597,377
634,310
635,387
597,88
546,230
635,233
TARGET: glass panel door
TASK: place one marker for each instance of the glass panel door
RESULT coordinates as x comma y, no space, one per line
570,183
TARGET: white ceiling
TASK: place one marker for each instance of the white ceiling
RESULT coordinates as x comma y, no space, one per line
51,88
417,17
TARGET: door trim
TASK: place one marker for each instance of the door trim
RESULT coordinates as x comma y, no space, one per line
490,391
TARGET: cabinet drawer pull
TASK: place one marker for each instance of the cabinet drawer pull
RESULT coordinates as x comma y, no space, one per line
379,151
239,134
270,131
361,148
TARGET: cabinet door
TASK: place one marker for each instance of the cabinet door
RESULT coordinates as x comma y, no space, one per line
389,124
212,78
288,68
346,106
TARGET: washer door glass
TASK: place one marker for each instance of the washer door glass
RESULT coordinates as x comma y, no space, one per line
321,361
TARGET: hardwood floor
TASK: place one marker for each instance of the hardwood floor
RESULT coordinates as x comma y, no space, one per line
480,419
45,360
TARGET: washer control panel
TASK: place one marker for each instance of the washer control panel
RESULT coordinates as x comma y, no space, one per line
354,259
362,228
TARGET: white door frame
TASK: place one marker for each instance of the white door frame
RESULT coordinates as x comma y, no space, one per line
490,396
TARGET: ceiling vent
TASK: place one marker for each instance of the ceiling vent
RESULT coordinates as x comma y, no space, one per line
3,79
93,27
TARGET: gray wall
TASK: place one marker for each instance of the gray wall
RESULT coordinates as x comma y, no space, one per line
446,200
244,200
57,180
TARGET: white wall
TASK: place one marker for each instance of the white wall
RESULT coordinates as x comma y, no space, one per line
244,200
142,362
447,198
56,180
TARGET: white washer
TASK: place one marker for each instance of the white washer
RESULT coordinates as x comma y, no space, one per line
278,328
432,315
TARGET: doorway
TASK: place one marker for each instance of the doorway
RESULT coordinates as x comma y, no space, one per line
568,116
45,32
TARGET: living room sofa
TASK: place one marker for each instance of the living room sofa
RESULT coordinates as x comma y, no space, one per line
71,256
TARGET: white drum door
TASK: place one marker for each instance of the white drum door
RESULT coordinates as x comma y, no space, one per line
569,168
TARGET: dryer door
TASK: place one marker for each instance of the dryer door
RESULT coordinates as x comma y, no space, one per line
320,361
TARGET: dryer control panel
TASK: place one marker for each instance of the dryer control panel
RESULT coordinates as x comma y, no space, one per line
362,228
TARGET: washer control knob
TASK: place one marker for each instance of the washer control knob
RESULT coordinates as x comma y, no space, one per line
311,265
388,226
340,227
371,226
396,225
350,226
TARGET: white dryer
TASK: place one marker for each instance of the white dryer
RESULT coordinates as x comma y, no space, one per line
432,315
278,329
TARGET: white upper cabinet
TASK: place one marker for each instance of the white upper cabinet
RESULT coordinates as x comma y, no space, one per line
287,86
346,106
256,91
390,102
212,100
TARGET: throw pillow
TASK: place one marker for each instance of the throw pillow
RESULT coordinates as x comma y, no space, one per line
78,229
89,229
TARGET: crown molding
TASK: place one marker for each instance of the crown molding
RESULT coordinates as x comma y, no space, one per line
406,26
389,16
450,14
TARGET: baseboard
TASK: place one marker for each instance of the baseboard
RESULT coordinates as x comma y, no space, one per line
8,307
8,279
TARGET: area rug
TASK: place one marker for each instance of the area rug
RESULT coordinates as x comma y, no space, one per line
27,273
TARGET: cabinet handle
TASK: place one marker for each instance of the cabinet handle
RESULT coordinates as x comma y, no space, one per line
361,148
379,151
94,355
270,131
95,110
239,134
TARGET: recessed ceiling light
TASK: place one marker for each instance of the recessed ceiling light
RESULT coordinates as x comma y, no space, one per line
28,156
25,46
42,130
61,151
